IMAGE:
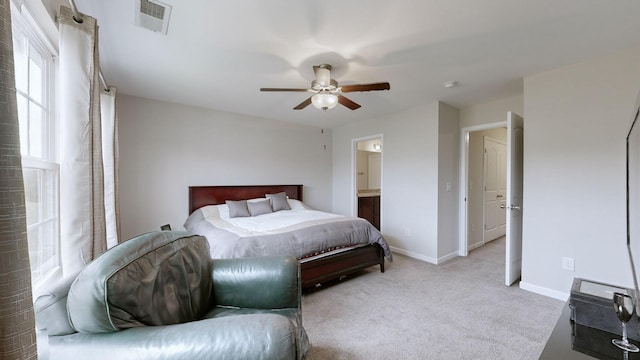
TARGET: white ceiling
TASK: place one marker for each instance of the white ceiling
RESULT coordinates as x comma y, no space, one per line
217,54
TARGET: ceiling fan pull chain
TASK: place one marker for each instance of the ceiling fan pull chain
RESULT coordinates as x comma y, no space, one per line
322,132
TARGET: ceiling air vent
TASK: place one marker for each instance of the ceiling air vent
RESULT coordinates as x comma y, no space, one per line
153,15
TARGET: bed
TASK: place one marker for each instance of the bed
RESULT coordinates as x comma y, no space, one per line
337,247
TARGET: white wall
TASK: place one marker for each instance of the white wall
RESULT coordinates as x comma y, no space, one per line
165,148
448,159
491,112
410,181
576,119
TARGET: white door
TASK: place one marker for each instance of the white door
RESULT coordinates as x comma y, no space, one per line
495,189
515,135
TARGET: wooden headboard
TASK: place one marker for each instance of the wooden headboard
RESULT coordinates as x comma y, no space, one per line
200,196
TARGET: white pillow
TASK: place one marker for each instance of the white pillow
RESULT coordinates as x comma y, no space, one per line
212,211
297,205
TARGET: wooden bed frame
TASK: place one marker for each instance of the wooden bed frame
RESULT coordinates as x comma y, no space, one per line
314,270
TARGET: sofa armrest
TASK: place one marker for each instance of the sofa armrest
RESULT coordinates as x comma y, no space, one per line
258,283
50,306
255,336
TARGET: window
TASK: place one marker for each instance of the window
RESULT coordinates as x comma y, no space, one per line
34,71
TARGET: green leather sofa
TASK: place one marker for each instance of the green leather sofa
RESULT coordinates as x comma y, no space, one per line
160,296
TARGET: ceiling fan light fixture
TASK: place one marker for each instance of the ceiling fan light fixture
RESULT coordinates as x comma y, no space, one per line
327,93
324,101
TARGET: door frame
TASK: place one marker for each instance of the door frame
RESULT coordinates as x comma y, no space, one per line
464,182
354,170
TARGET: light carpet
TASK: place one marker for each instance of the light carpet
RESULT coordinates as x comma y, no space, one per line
460,309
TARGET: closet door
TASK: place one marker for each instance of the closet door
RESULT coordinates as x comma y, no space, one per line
495,188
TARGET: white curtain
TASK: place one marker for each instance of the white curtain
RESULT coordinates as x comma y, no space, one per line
83,219
110,158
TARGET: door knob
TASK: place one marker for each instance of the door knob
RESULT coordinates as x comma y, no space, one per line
510,207
498,196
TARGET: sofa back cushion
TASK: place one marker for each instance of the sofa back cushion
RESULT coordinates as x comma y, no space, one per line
159,278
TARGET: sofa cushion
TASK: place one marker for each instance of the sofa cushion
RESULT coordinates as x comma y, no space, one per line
159,278
256,336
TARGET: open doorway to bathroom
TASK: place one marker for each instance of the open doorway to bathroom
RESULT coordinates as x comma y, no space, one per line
368,179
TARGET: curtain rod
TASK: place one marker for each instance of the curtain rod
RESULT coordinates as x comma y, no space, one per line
78,18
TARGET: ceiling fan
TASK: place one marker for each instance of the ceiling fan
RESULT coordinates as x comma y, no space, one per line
327,93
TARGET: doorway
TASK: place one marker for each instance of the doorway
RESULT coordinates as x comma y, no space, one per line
468,223
486,185
367,170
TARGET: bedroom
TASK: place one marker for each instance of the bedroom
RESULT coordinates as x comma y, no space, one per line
418,140
576,116
149,158
599,90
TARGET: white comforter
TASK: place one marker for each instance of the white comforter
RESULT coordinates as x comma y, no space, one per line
273,223
298,232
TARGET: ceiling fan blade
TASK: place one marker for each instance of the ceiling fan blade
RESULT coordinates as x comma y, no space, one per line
347,102
366,87
303,104
284,89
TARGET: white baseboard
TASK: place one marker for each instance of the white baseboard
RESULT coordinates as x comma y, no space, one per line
428,259
447,257
414,255
544,291
523,285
